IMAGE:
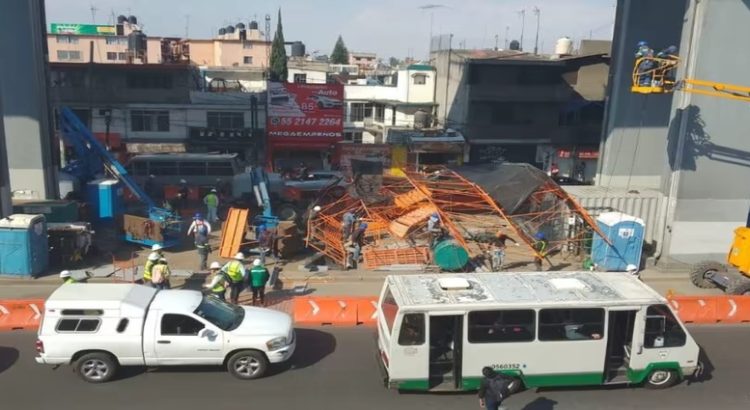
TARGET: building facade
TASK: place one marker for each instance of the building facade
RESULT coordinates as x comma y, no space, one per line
159,108
366,62
542,110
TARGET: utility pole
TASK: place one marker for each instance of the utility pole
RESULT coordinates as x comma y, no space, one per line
507,30
522,13
93,14
187,26
497,38
537,13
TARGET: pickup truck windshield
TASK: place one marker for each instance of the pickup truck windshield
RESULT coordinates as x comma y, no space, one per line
225,316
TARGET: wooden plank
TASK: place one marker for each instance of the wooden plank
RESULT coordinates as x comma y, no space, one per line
233,232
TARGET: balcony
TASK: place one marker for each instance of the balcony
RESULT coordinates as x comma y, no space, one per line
520,93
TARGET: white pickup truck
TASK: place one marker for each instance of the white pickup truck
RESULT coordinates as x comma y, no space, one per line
99,327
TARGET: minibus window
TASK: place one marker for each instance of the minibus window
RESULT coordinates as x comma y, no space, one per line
501,326
412,330
662,328
220,169
193,168
390,309
571,324
139,168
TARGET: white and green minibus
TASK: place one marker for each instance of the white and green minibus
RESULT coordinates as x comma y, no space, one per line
437,332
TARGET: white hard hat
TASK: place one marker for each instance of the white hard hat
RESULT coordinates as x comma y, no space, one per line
153,256
213,189
215,265
163,260
65,274
156,247
239,256
182,181
631,268
317,208
256,262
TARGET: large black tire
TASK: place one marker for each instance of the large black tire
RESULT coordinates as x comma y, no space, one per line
661,379
247,364
96,367
739,286
699,271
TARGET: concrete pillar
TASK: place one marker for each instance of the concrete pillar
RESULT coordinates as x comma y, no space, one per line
23,93
6,207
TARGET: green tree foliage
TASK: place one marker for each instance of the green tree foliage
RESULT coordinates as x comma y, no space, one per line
279,71
340,54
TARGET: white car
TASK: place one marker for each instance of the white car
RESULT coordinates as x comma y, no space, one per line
99,327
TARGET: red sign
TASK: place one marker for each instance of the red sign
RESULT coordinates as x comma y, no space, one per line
588,154
305,110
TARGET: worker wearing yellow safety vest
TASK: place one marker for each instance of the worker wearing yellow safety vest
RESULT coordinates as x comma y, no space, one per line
212,204
236,273
153,258
67,277
217,284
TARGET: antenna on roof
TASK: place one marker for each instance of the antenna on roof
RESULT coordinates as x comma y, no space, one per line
93,13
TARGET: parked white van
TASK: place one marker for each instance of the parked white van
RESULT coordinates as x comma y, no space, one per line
99,327
437,332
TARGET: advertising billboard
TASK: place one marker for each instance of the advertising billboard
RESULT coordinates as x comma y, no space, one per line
305,110
83,29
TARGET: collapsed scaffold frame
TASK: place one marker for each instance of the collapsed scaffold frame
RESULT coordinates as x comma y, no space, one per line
467,212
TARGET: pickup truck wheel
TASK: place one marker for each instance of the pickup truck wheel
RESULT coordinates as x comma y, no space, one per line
96,367
247,364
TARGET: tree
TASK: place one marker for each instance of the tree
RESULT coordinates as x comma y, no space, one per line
340,54
394,62
278,61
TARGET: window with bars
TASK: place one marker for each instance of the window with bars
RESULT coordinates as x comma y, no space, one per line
68,55
225,120
141,120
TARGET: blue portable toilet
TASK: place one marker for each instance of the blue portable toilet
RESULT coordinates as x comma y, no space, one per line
106,199
23,245
625,232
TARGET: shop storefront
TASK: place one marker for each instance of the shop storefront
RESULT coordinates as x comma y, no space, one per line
578,163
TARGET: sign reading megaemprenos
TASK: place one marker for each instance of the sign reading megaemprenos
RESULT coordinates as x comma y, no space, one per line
305,110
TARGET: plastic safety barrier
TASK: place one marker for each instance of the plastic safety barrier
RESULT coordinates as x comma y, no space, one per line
335,311
21,314
711,309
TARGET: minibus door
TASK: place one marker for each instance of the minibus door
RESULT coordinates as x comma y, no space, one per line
446,348
620,328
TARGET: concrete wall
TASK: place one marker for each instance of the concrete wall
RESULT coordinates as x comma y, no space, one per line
228,53
709,145
634,141
451,89
313,76
23,82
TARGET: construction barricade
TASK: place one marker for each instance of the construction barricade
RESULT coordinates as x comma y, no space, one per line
21,314
711,309
335,311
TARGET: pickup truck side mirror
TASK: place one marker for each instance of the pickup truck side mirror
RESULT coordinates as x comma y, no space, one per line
208,333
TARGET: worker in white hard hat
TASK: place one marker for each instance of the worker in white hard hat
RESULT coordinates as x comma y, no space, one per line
153,258
258,279
236,274
218,281
632,269
67,277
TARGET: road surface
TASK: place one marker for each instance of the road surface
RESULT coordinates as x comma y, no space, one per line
334,369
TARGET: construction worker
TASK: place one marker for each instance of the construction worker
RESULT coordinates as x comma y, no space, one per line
434,229
67,277
258,278
160,274
540,246
211,200
347,223
355,247
236,273
498,250
153,258
218,283
183,193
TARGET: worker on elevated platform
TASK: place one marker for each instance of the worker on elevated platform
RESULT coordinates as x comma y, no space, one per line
645,53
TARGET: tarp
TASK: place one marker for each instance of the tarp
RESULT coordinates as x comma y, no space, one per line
509,184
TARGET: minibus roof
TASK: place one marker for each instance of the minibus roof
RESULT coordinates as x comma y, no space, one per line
182,156
521,289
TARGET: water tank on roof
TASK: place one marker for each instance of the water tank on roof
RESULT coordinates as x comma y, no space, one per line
137,42
515,45
222,31
230,29
121,19
298,49
132,20
253,25
421,119
239,26
564,46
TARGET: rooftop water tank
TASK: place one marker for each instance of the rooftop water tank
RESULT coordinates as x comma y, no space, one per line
132,20
137,42
564,46
239,26
298,49
121,19
421,119
230,29
253,25
515,45
222,31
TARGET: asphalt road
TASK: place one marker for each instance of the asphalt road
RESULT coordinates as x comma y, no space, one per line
335,369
